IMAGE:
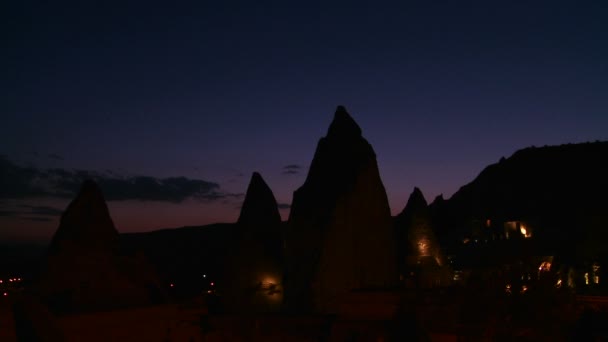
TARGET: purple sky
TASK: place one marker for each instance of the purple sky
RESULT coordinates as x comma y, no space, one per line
213,91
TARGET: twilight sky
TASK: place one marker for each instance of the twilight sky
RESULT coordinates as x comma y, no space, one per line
172,107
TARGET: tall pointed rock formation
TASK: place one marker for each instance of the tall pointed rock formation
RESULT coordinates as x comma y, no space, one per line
417,244
86,225
85,270
340,232
254,269
260,206
260,214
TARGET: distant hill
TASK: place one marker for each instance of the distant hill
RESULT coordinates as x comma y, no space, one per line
193,257
183,255
560,192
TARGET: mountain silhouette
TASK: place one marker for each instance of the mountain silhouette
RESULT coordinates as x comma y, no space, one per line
558,192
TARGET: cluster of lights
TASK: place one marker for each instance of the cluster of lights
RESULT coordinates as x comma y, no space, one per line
11,280
509,289
211,283
210,291
545,266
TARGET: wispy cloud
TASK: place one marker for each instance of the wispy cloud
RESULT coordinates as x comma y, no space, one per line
37,219
29,212
9,213
21,182
41,210
284,205
291,169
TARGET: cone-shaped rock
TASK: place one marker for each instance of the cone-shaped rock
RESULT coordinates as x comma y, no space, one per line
340,232
84,269
253,278
417,242
260,206
86,224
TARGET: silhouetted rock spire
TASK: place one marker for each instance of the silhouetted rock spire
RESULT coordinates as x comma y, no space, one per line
417,242
343,125
86,223
415,203
260,207
254,268
339,235
85,269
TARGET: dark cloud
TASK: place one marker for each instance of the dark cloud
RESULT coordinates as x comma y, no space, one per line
38,219
173,189
9,213
291,169
284,205
19,182
56,156
30,212
42,210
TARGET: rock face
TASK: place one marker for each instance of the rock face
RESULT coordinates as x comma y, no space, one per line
253,278
340,233
558,190
85,269
417,242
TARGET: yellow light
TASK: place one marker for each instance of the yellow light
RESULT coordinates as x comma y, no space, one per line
525,231
423,247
